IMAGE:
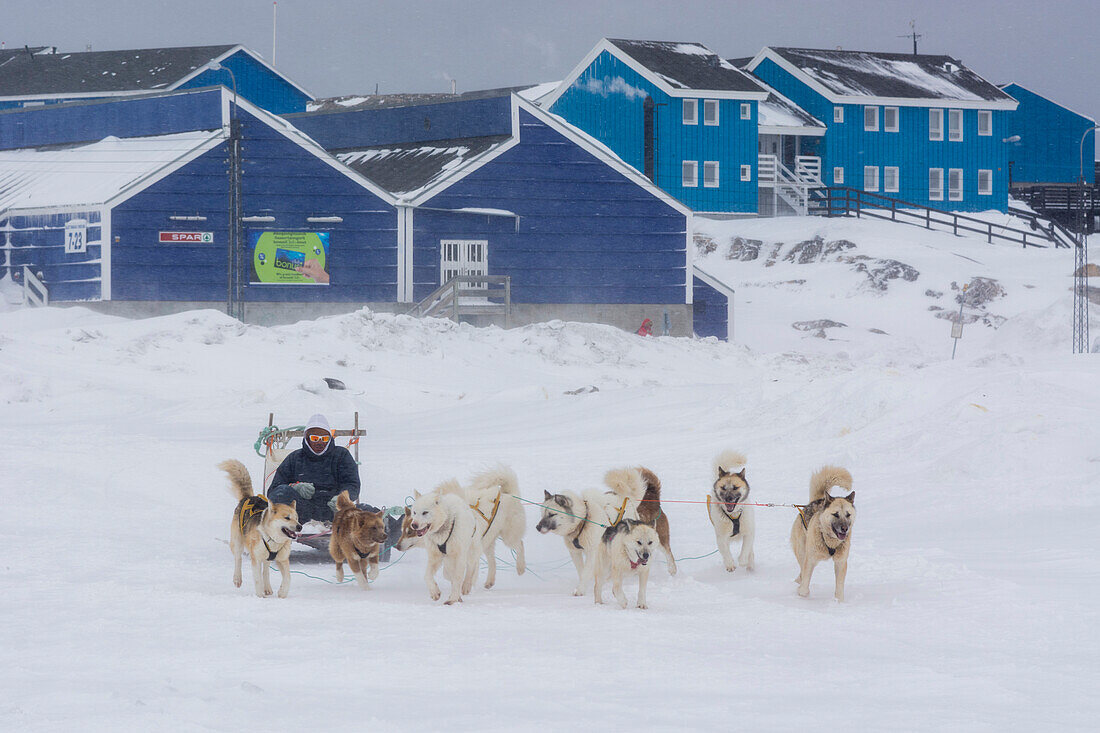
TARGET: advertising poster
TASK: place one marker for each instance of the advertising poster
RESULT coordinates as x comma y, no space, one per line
289,258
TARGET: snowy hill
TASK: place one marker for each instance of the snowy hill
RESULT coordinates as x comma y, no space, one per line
969,601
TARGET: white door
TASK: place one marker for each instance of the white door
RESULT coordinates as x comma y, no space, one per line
463,257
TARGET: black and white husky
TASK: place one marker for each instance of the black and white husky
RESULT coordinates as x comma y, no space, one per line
625,548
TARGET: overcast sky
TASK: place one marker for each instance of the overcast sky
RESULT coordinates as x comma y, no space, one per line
335,47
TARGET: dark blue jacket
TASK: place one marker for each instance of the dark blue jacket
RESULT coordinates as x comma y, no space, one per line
330,473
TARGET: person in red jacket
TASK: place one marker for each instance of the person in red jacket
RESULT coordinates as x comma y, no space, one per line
646,329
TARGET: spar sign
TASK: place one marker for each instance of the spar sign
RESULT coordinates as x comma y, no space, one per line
175,237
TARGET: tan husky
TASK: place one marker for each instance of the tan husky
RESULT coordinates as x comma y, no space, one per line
264,529
357,538
729,515
823,529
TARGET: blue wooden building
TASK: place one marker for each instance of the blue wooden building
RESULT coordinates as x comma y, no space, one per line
1050,144
494,185
127,203
920,128
41,76
677,112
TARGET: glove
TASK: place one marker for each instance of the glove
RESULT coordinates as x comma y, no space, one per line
332,505
305,490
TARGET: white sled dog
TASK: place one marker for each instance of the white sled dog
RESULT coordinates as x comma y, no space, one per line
580,519
443,523
731,518
625,548
497,516
823,528
264,529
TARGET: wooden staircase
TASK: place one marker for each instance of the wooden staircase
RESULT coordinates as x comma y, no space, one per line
469,295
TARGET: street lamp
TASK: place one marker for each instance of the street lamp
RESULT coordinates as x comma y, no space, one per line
232,273
1081,260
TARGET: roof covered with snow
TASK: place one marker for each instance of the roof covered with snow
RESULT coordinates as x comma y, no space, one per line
388,101
896,75
24,74
778,111
90,174
405,168
687,65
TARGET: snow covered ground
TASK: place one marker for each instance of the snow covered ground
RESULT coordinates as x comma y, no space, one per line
972,595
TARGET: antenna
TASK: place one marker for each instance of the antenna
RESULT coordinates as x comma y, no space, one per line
274,19
913,34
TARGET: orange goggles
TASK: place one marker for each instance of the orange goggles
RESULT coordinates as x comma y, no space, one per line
319,438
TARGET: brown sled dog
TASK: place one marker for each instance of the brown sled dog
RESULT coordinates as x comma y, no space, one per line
649,512
357,539
266,530
823,528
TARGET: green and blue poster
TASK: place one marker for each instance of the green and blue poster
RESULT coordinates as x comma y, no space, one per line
289,258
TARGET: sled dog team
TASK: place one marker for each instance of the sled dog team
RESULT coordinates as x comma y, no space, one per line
609,533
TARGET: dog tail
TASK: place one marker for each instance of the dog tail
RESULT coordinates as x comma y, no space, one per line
450,486
499,477
826,478
729,461
627,482
343,501
240,483
650,506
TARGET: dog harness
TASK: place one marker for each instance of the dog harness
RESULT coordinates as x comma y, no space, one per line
580,528
735,520
492,515
806,516
622,511
443,547
252,506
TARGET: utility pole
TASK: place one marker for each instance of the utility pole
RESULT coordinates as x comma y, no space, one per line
913,34
1081,261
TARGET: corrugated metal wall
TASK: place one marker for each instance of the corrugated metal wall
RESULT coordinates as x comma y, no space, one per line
38,241
1049,150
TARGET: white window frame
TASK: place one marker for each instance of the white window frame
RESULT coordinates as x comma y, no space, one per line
871,187
873,126
986,190
886,186
955,194
708,106
746,172
935,131
463,257
713,165
985,130
838,114
886,119
691,118
952,130
746,111
693,167
934,193
838,175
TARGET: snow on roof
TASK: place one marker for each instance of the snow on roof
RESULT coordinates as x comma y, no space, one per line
102,71
89,174
410,99
687,65
778,111
904,76
406,168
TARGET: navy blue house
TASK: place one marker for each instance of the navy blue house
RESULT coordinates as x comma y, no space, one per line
921,128
1052,138
496,185
127,203
42,76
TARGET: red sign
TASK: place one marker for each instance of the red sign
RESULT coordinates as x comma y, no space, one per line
203,237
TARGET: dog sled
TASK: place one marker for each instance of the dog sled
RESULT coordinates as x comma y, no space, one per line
275,444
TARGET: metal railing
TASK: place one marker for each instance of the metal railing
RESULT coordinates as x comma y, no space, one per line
469,295
34,290
844,201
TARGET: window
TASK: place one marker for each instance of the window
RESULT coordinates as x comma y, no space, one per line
462,257
710,111
985,182
870,178
985,122
838,175
935,125
746,111
890,119
955,184
870,119
710,174
690,174
890,178
838,114
746,173
955,125
691,111
935,184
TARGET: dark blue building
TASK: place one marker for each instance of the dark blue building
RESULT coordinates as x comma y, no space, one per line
1050,146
